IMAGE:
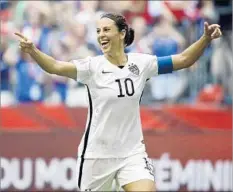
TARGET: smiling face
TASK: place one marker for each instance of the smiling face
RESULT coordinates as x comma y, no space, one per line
109,37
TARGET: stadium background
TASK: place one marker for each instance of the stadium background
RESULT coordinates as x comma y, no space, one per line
186,115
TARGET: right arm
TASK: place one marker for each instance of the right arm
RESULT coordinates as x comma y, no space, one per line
52,66
46,62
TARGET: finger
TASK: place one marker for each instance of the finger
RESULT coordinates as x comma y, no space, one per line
217,33
215,26
206,25
25,43
22,43
211,28
214,33
21,48
220,32
21,36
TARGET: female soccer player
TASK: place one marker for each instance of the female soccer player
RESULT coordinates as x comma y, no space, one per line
112,146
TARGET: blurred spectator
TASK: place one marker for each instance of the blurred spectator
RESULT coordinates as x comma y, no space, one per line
57,84
157,9
140,44
167,35
221,61
6,31
78,40
36,27
29,78
6,94
115,6
19,13
138,8
88,14
167,41
180,9
4,44
130,9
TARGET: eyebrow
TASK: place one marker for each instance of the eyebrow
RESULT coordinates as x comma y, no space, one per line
104,27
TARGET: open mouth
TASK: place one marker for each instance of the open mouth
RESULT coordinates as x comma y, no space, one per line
104,44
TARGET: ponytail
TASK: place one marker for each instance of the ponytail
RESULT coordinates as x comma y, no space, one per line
129,37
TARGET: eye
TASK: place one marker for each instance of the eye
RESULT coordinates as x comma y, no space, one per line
107,29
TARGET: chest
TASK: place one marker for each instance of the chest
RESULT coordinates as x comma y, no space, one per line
123,84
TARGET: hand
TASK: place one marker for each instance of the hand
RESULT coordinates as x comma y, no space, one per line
25,45
212,31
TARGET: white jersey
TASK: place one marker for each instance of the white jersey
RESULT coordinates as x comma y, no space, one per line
113,128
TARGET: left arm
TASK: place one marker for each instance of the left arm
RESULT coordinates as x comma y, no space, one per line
189,56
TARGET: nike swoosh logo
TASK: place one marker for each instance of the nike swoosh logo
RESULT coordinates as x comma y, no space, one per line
104,72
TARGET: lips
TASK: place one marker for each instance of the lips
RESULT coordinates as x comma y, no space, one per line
104,44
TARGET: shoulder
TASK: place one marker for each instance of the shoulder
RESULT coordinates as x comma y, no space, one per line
95,62
90,60
142,57
97,57
147,64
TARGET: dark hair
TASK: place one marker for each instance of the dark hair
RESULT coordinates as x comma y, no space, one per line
121,25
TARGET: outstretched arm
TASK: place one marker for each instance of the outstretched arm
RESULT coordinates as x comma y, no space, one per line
46,62
190,55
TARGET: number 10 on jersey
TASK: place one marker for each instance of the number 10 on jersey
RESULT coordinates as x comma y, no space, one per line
126,86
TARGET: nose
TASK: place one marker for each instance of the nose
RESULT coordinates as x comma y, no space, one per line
101,34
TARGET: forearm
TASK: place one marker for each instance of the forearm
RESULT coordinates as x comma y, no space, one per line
189,56
46,62
193,52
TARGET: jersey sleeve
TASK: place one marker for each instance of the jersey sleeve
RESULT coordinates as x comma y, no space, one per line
152,66
159,65
83,69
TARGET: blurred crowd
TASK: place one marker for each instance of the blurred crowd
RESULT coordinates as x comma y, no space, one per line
66,30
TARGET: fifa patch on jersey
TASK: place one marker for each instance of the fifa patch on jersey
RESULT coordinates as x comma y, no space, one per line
134,69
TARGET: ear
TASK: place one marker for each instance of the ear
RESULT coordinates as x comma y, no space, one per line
123,34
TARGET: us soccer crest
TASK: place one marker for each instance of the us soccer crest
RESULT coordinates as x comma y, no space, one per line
134,68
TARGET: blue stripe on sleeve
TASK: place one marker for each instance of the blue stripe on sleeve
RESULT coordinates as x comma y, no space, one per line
165,65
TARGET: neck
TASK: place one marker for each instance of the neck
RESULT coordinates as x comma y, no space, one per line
117,58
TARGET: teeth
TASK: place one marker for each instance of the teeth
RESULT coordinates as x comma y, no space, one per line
104,43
